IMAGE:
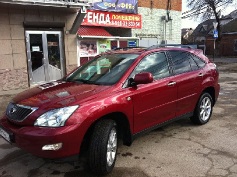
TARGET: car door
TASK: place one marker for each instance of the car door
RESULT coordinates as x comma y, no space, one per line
154,103
188,77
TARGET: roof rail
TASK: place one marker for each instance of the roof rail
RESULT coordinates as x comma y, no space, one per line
172,45
127,48
124,49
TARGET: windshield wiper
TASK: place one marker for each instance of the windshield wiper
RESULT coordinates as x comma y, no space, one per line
81,80
84,81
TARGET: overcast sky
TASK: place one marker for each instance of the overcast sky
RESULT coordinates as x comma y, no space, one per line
189,23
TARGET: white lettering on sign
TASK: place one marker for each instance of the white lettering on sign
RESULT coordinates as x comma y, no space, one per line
99,18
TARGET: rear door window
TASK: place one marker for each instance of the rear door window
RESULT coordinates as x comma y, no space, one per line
180,62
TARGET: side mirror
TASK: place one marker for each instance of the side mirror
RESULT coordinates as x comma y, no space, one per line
141,78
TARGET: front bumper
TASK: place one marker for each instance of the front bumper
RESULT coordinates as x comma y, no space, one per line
32,139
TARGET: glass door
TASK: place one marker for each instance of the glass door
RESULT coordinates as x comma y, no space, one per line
45,56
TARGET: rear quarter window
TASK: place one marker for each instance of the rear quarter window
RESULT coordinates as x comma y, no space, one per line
201,63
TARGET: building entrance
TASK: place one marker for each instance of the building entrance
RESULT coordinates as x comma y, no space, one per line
45,56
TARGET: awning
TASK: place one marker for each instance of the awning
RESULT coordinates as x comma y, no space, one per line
97,32
88,31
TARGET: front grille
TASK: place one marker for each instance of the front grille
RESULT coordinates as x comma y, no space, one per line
18,112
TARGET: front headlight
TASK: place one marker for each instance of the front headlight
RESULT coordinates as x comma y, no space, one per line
56,117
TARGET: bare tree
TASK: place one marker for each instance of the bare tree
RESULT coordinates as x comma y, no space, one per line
207,9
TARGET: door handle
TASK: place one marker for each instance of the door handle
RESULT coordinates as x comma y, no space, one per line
200,75
172,83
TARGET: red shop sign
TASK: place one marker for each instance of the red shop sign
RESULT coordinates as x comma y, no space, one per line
112,19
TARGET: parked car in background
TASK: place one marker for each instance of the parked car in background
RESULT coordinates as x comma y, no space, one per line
118,94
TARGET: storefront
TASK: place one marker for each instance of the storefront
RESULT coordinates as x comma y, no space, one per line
45,55
38,41
102,31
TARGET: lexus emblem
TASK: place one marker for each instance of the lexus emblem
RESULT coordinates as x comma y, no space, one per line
12,110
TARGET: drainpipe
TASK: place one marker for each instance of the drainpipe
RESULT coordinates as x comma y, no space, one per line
165,21
167,18
168,8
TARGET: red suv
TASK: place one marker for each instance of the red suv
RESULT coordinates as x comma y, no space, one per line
119,94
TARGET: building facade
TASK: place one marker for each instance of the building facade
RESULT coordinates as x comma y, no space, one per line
36,45
161,22
227,46
42,41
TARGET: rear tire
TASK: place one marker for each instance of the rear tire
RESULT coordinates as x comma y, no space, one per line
103,147
203,110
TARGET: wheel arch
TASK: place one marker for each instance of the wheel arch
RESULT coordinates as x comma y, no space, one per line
124,131
211,91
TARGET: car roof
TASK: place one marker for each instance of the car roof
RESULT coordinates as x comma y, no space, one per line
140,50
147,50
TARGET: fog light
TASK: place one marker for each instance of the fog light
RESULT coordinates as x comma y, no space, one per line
52,147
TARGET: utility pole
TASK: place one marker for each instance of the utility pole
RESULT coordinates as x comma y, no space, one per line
215,35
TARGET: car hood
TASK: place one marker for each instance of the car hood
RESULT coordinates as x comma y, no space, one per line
58,94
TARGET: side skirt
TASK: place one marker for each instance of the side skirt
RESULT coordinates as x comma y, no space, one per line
134,136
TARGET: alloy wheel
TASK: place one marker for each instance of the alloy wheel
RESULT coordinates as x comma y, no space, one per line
112,147
205,109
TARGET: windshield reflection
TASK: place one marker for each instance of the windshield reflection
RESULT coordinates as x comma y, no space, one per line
104,70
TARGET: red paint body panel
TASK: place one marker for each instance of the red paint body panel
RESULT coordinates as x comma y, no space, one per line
32,139
153,103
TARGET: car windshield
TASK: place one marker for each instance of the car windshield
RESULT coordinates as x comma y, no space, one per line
104,70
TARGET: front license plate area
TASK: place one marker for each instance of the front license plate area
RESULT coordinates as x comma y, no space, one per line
5,135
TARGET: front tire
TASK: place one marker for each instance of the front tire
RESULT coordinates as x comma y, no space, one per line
103,147
203,110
